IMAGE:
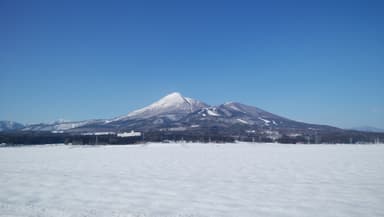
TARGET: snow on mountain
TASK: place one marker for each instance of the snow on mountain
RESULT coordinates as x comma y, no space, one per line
175,111
209,111
231,114
10,125
242,121
60,125
233,105
173,106
265,121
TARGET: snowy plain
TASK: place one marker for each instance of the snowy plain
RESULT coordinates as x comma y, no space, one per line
185,179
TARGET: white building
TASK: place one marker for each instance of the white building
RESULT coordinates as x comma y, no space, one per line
129,134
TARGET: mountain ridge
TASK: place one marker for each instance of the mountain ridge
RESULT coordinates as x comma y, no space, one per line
368,129
175,112
179,114
175,117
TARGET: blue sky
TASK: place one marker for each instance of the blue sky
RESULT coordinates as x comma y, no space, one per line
313,61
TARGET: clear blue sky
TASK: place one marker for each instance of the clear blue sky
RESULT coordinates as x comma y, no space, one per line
313,61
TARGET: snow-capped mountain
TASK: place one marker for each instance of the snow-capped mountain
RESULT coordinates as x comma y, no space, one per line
246,118
368,129
175,112
175,116
59,126
237,113
10,125
173,106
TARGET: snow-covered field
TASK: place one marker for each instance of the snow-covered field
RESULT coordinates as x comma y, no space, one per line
193,180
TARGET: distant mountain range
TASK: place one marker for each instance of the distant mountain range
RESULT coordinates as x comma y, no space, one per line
10,125
177,114
368,129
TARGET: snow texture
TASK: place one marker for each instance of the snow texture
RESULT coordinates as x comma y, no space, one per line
193,180
233,106
212,112
265,121
242,121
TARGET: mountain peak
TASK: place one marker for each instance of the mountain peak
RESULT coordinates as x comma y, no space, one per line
171,99
172,105
174,94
